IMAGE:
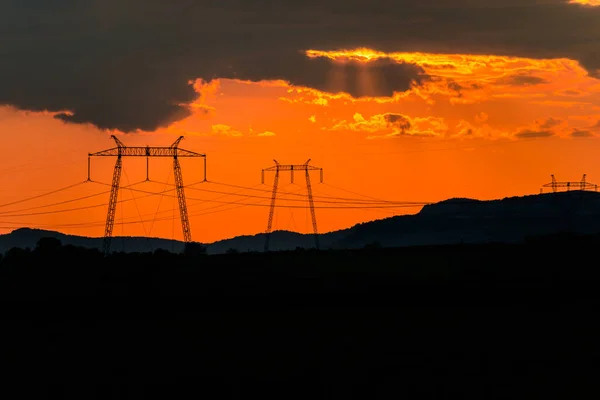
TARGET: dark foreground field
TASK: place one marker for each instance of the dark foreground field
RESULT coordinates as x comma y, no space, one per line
481,322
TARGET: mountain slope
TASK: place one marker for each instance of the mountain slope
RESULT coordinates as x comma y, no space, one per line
474,221
450,221
27,238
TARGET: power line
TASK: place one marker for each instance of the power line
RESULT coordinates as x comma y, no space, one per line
54,204
99,223
354,193
194,205
123,201
355,201
236,204
9,214
42,195
342,204
321,197
244,201
362,205
226,209
389,212
204,211
159,202
337,204
54,211
135,203
226,195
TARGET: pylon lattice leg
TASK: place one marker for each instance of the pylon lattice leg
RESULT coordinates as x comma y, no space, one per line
185,223
271,211
312,209
112,207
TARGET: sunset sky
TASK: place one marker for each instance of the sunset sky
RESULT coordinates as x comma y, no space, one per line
400,101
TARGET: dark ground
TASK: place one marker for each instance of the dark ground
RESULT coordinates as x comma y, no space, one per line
476,321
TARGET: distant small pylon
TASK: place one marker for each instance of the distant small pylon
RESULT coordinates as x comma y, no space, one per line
583,184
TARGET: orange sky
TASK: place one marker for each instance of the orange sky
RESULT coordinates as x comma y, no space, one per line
586,2
487,127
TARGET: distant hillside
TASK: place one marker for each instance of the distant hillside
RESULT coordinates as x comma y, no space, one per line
507,220
27,238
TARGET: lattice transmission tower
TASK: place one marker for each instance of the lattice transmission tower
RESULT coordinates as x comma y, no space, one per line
292,167
145,151
581,185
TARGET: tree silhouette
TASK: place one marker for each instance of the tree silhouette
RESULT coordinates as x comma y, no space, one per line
194,249
48,245
370,323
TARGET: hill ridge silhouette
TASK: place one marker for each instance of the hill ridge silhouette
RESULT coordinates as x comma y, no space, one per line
454,220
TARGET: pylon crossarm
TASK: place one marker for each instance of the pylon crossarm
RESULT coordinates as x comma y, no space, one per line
147,151
293,167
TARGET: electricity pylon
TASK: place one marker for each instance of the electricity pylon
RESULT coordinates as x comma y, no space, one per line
145,151
291,167
581,185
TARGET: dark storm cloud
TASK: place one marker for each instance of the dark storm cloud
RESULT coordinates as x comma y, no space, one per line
385,76
126,64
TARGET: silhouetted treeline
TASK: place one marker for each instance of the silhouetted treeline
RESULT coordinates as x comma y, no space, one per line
427,274
467,321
